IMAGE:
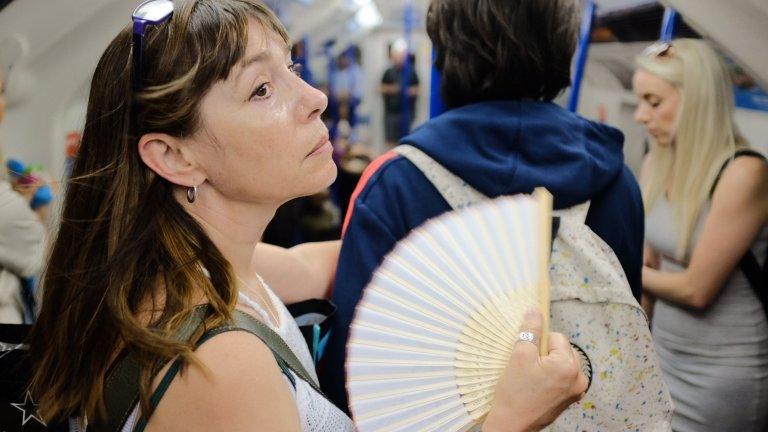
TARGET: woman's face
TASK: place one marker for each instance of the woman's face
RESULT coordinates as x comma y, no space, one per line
658,107
261,138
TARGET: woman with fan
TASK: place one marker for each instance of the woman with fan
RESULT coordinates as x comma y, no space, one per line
502,62
706,199
198,128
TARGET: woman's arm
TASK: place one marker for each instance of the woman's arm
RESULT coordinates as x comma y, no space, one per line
22,235
242,390
651,259
738,213
300,273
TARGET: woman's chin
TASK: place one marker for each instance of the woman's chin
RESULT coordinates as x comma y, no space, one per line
330,174
323,179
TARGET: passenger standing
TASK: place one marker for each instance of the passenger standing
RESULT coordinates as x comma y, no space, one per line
22,241
706,201
391,88
502,63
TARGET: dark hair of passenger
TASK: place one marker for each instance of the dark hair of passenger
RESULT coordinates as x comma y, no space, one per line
502,49
123,238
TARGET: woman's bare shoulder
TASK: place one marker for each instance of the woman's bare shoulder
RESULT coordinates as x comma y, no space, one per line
744,176
241,386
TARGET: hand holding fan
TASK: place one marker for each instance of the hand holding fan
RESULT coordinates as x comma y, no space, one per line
438,322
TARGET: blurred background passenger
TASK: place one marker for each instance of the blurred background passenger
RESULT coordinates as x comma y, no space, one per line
395,107
348,84
706,201
22,238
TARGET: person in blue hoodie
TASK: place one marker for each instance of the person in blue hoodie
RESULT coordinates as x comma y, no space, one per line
502,64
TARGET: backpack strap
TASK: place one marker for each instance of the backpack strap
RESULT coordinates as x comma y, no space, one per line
738,153
577,213
124,391
121,389
453,189
456,192
757,276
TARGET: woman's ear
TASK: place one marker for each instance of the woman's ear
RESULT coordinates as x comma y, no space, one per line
165,155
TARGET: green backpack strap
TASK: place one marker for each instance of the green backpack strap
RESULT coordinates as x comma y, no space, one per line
125,397
121,389
280,349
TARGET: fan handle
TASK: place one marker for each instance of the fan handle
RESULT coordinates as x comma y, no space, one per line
544,199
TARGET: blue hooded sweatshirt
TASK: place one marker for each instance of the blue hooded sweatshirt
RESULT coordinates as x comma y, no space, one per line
499,148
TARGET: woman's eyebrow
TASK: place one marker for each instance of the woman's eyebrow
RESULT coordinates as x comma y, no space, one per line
257,58
260,57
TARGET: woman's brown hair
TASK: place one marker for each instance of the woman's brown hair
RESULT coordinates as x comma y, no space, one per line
125,244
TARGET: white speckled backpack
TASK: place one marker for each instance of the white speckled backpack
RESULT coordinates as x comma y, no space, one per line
592,304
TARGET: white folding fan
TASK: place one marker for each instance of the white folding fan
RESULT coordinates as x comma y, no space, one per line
438,322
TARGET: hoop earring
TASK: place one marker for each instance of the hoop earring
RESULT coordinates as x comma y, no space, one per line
191,194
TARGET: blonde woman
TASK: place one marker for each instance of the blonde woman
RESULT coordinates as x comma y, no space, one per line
706,200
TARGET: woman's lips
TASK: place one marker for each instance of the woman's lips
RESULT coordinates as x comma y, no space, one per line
323,145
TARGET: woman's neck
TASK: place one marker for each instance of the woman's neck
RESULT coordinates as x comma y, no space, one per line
234,227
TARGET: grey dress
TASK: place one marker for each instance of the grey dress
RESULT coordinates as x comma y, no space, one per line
715,361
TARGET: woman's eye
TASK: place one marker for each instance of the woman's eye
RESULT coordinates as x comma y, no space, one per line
653,102
261,92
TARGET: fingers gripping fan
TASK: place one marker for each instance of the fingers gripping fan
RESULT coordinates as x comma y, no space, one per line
438,322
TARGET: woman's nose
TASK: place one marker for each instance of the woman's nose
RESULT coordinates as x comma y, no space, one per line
641,114
313,102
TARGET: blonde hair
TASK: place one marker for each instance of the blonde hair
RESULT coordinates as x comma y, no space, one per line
706,135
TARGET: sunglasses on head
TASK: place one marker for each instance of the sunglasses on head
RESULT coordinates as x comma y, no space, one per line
151,12
659,49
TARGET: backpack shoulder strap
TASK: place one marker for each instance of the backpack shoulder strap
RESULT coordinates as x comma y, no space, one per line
738,153
453,189
757,277
121,388
285,358
283,353
458,194
576,214
122,396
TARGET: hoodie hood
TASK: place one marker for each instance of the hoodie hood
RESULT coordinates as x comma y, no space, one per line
503,148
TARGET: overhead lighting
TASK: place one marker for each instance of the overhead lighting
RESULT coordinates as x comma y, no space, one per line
354,4
368,16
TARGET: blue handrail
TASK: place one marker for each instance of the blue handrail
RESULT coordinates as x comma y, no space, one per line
581,54
668,25
436,104
405,79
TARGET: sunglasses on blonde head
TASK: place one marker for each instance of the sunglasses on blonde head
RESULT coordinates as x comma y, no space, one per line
659,49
